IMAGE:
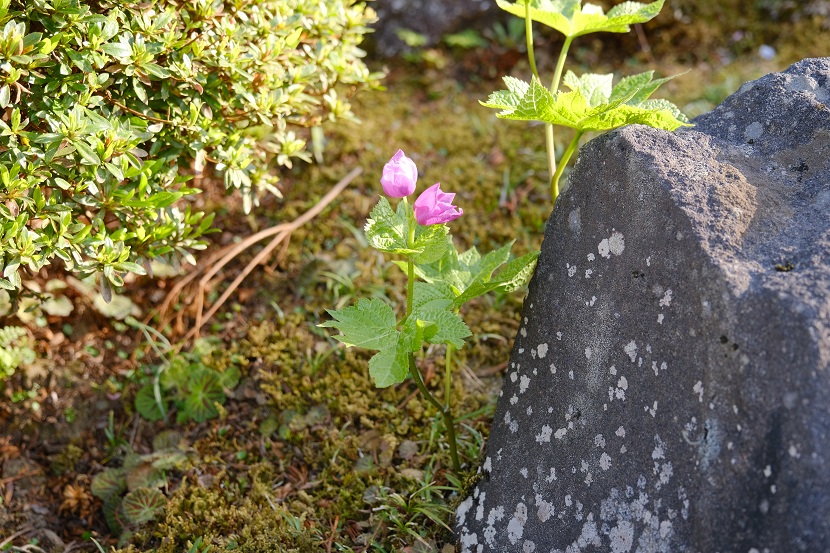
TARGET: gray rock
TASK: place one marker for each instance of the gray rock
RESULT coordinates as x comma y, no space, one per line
668,389
431,18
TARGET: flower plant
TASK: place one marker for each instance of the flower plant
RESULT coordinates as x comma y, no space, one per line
593,102
440,280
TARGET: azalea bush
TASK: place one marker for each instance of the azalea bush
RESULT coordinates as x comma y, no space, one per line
111,108
440,280
593,103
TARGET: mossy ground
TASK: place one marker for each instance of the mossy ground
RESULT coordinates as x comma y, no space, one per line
307,455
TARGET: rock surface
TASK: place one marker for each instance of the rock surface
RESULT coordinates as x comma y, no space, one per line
669,389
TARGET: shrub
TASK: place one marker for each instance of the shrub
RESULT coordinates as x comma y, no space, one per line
111,108
15,350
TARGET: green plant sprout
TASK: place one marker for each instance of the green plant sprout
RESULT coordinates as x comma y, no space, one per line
593,102
449,279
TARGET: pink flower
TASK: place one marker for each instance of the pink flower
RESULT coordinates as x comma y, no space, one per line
399,176
434,207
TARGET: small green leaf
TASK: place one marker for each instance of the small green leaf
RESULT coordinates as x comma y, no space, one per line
368,324
146,404
203,391
391,365
86,152
117,49
449,327
109,483
143,505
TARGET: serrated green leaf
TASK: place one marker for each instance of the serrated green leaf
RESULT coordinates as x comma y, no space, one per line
572,109
572,19
432,242
370,324
595,88
432,295
390,366
386,230
449,327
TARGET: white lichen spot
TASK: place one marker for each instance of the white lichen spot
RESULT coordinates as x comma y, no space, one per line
593,301
521,350
604,249
480,508
559,434
616,243
665,301
559,335
523,332
665,529
524,382
514,426
463,509
599,441
613,370
571,375
588,353
648,261
588,273
528,547
550,478
542,350
620,432
768,471
544,435
514,400
523,471
659,451
529,410
660,318
663,366
552,368
568,500
605,461
571,270
533,353
516,526
488,464
666,472
698,389
631,349
653,410
591,257
622,537
545,509
622,383
793,451
514,376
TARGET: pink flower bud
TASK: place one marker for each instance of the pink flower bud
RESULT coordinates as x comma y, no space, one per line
434,207
399,176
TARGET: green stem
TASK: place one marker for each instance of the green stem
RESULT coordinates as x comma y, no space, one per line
448,421
410,265
560,64
550,144
448,375
554,190
531,58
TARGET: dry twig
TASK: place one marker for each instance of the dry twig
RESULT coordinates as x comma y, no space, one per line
281,235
